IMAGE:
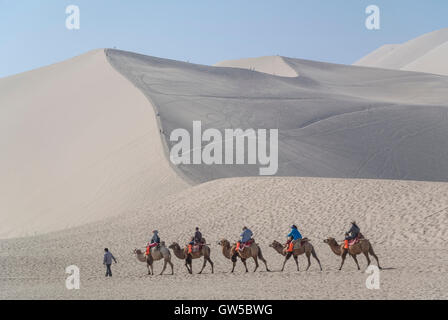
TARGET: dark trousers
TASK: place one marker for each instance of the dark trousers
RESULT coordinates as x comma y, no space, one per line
108,270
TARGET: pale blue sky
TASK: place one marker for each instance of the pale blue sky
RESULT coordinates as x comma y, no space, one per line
33,33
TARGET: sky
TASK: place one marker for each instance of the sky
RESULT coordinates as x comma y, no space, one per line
34,33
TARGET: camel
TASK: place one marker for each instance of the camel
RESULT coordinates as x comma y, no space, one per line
254,252
298,249
156,254
182,254
363,246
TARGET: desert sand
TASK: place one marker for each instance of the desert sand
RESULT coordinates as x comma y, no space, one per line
85,166
426,53
405,222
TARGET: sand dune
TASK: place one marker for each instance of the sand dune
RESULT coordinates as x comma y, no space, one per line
333,120
82,153
426,53
79,143
274,65
405,221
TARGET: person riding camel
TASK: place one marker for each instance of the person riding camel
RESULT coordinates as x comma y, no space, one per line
293,236
352,234
196,239
246,236
155,241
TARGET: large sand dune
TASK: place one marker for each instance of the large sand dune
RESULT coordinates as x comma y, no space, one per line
427,53
78,143
333,120
84,151
405,221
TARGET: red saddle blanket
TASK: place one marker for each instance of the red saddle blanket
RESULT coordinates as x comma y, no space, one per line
353,241
246,244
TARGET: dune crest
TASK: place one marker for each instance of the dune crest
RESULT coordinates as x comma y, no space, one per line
274,65
427,53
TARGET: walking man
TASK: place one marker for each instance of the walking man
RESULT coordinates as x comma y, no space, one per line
108,257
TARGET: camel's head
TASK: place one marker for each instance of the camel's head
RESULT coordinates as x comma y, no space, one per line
174,245
225,243
330,240
275,244
137,251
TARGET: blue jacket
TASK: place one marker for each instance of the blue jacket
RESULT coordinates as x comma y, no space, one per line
295,234
246,235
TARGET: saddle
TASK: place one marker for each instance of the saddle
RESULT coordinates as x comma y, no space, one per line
355,240
242,245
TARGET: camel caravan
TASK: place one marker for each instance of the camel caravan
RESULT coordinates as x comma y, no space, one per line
246,248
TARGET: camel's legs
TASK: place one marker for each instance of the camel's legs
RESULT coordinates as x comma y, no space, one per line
245,265
210,261
164,266
367,257
260,256
149,270
189,264
203,265
343,256
152,268
356,260
172,267
233,267
296,259
286,259
374,255
256,263
313,252
234,257
308,255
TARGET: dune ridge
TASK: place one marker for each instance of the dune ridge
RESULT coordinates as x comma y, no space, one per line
274,65
426,53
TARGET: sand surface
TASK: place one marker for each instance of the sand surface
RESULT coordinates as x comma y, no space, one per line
427,53
333,120
405,221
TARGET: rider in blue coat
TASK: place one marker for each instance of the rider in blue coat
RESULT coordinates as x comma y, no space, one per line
294,234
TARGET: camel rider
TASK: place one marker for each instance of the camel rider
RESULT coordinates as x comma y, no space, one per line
197,236
351,234
155,241
197,239
246,236
293,236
